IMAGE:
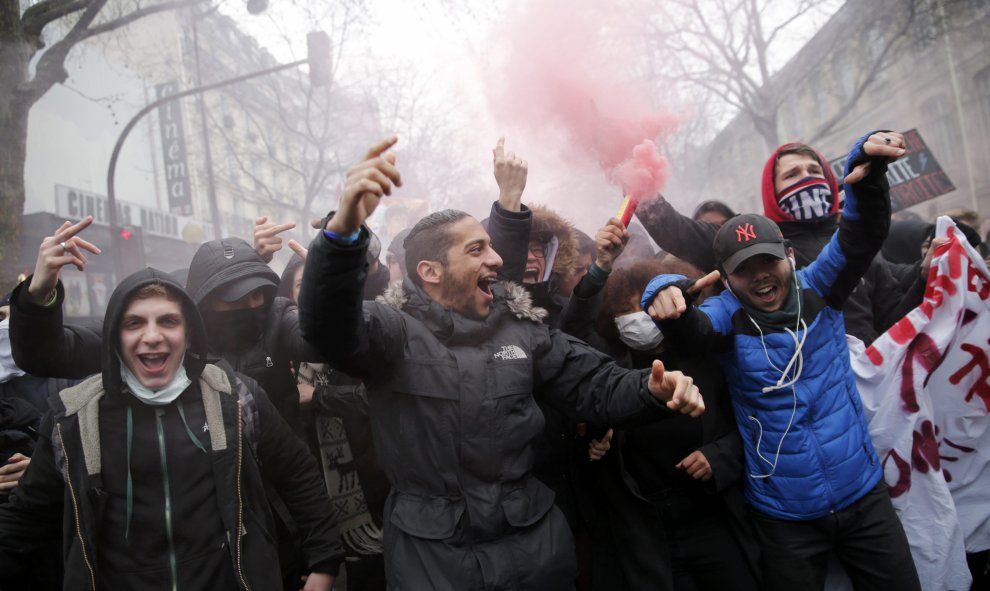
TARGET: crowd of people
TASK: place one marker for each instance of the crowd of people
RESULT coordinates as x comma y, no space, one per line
507,403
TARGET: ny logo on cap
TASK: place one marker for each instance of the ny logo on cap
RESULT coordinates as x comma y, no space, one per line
745,232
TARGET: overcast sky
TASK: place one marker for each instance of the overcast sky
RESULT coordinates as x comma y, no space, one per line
449,44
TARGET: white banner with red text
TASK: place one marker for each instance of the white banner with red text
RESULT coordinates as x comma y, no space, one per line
925,386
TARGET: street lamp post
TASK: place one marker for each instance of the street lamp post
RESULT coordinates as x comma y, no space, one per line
211,187
111,193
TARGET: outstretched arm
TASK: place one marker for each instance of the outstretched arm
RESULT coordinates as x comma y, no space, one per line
578,379
668,299
332,316
510,222
62,248
43,346
865,218
582,308
686,239
40,344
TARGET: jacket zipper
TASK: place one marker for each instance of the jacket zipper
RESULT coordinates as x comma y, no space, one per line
168,498
240,499
75,510
813,435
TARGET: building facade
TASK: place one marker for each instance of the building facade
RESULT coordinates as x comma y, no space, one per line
937,82
192,169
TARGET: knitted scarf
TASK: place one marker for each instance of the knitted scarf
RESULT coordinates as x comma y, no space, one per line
348,508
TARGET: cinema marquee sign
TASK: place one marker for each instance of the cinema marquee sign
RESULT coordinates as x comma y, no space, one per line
75,204
174,150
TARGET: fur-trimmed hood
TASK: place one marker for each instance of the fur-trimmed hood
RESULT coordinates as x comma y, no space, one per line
511,295
547,223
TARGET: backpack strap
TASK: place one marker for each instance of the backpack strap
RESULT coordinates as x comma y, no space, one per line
219,380
82,400
213,383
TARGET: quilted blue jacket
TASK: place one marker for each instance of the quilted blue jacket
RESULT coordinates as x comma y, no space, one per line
808,449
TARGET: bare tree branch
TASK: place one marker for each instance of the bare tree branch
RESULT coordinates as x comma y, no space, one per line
726,48
138,14
866,78
51,66
37,16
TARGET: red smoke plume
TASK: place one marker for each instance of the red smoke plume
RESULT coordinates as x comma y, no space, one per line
562,64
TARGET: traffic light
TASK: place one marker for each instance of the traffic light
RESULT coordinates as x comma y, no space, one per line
130,243
318,56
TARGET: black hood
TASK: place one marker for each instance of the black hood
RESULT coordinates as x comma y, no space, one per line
903,243
288,276
808,238
195,354
218,262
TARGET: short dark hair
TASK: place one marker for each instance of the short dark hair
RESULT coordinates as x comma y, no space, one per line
430,239
803,150
715,206
155,290
625,282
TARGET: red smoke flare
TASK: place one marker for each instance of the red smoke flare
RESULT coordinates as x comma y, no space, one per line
561,64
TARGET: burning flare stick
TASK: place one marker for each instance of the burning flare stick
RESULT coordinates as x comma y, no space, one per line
627,210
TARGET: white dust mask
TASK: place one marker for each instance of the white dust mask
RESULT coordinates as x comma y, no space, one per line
180,381
8,369
638,331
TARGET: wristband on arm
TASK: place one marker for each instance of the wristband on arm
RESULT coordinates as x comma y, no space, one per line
342,238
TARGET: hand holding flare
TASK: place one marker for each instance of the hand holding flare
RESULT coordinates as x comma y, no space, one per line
627,209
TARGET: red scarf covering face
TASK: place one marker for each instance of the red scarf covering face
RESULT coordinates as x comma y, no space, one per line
772,208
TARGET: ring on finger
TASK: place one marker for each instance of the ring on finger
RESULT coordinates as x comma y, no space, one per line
886,140
64,248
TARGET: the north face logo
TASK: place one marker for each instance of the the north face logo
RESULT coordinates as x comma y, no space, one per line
510,352
745,232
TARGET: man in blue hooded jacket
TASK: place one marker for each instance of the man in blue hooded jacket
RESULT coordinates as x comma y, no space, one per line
814,483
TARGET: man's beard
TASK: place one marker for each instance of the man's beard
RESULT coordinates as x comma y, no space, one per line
460,291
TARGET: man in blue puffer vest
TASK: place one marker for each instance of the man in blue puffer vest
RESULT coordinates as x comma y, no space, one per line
814,483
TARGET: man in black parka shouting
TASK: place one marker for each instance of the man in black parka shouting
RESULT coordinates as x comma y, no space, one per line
452,361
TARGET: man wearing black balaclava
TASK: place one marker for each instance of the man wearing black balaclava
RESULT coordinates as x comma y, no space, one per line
246,324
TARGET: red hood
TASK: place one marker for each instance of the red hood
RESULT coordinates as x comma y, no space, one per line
770,207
